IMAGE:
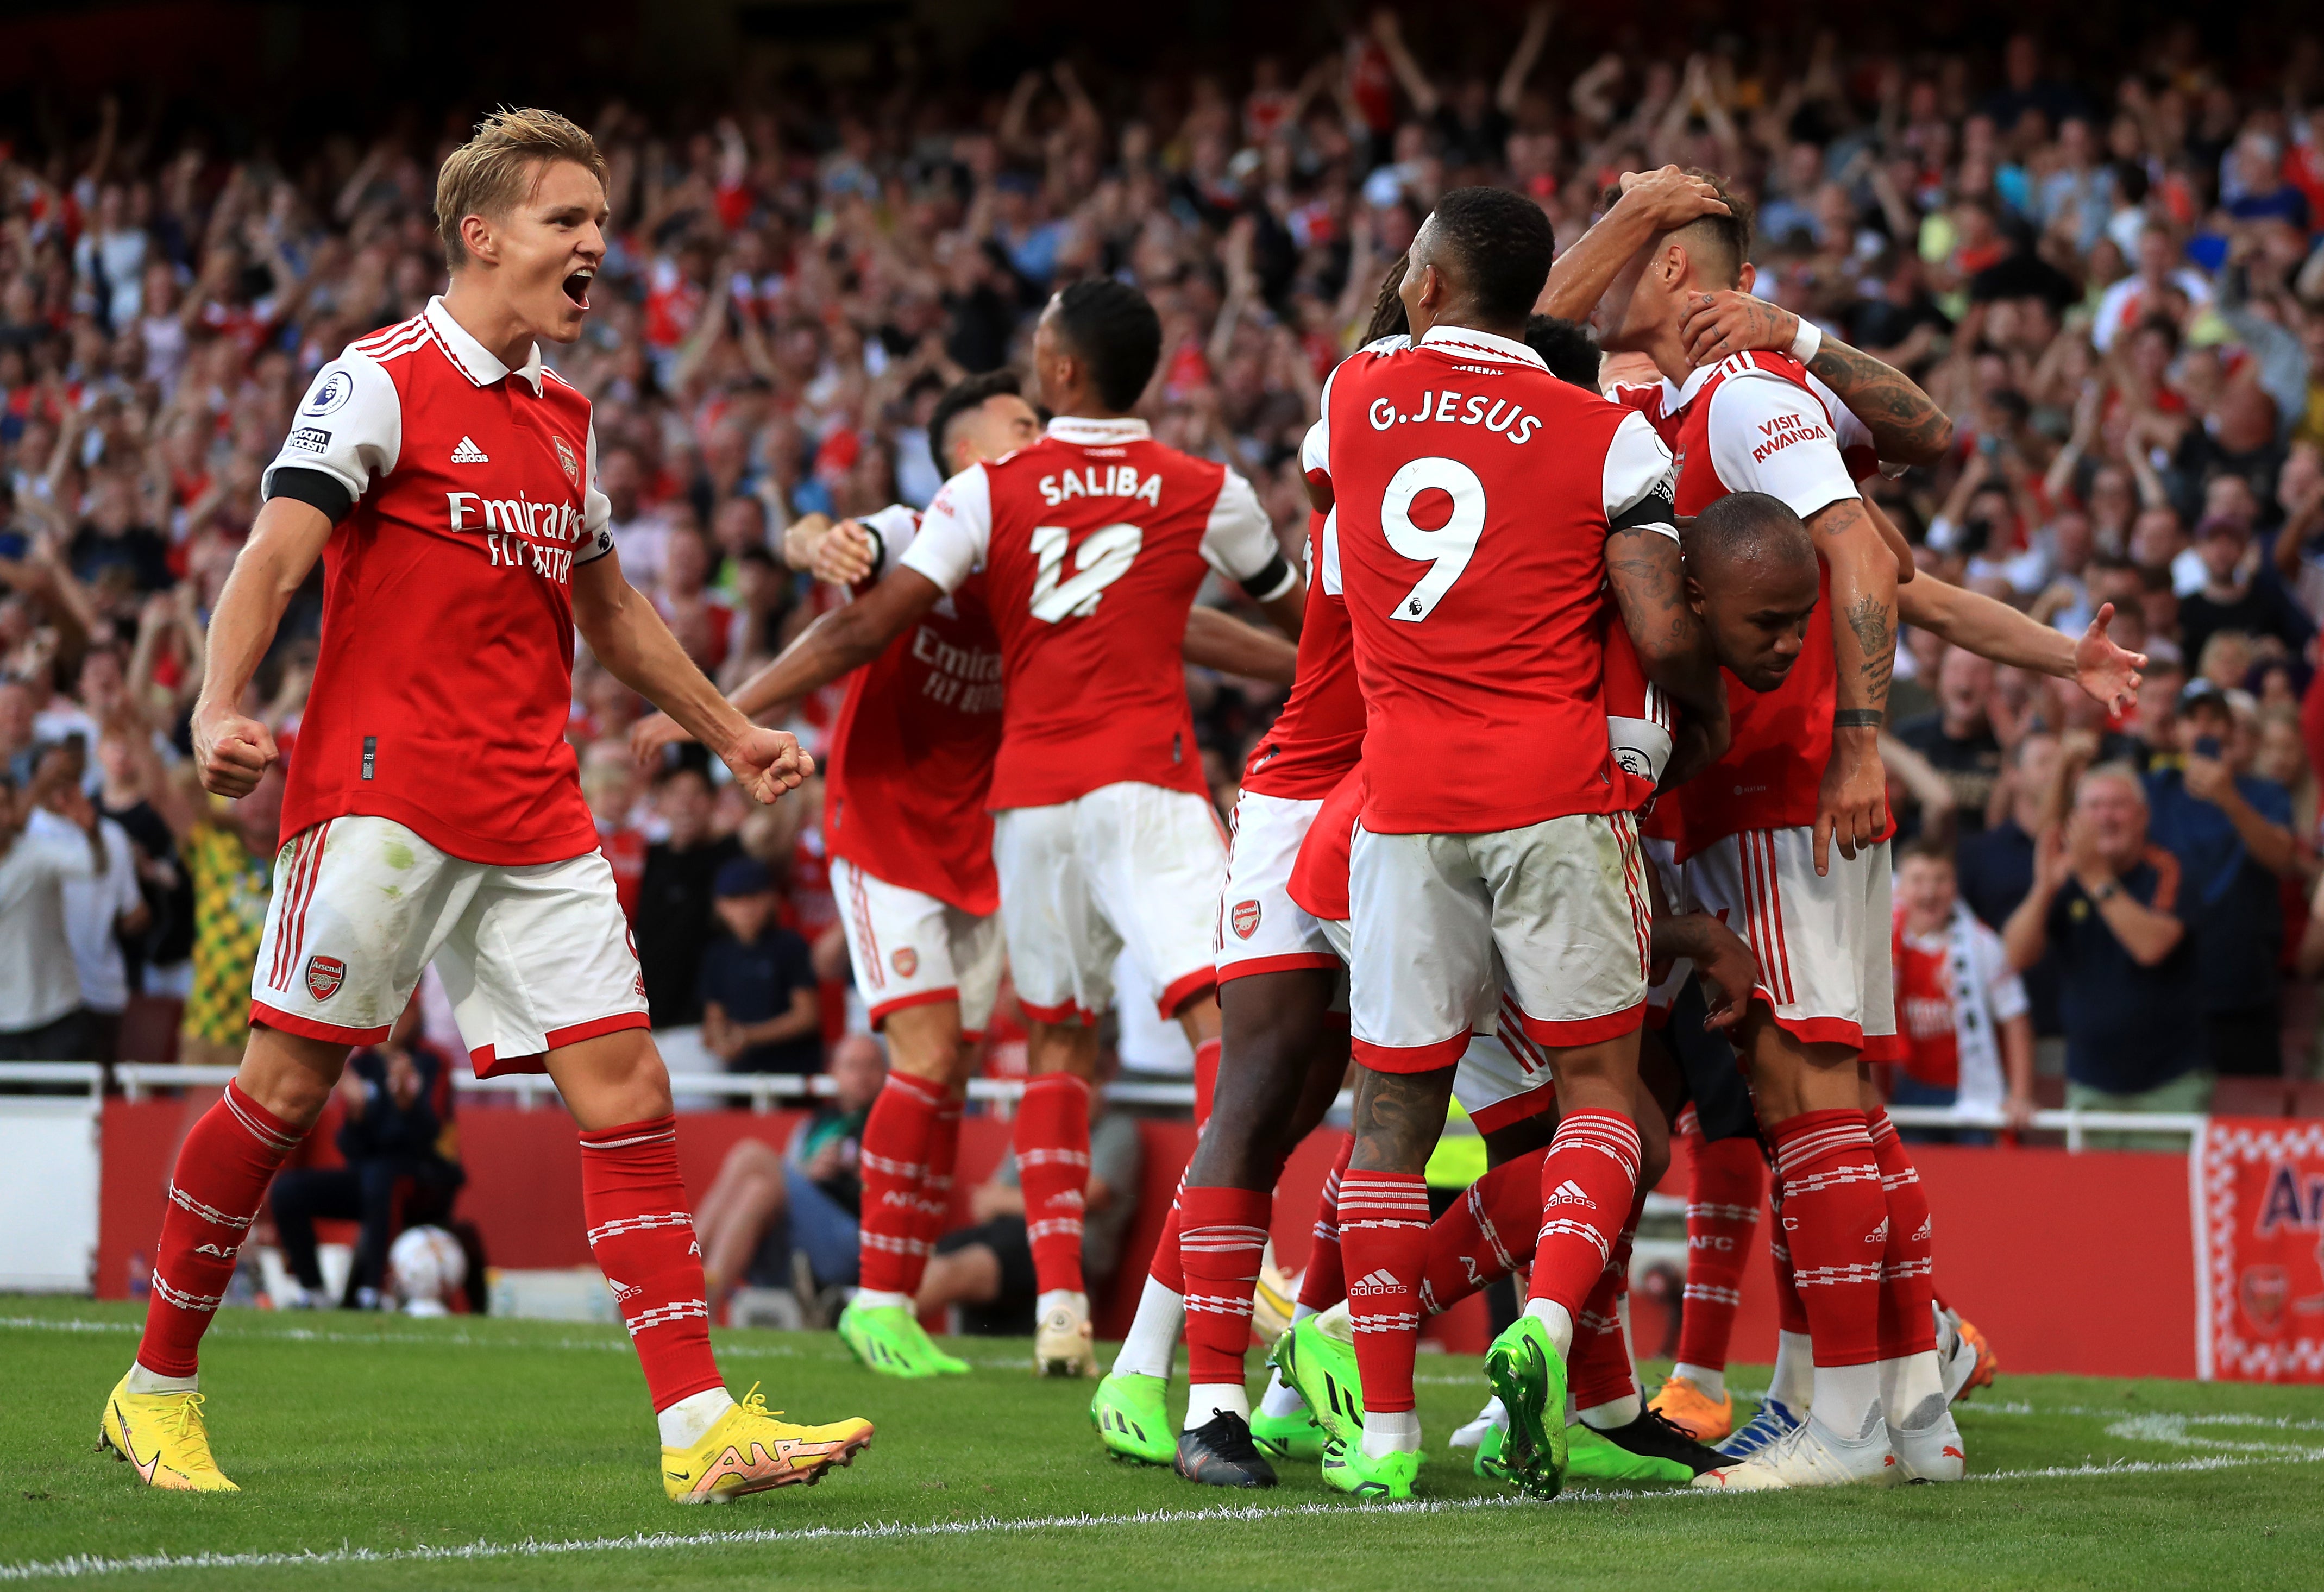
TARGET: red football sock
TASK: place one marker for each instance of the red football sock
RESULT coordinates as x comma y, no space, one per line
1383,1238
1485,1235
1598,1371
897,1138
1726,1180
1791,1315
1907,1270
1324,1283
1207,1080
1589,1180
1052,1166
1221,1234
935,1188
216,1191
1833,1215
1167,1267
642,1234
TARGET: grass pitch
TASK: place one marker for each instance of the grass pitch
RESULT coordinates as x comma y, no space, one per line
383,1452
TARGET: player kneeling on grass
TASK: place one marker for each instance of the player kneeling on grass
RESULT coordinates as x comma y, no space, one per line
447,479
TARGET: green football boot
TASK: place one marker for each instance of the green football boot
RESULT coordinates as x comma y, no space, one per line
1323,1368
1349,1468
1296,1436
1591,1454
925,1350
881,1339
1132,1417
1528,1375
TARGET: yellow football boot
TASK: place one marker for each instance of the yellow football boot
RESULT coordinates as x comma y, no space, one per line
162,1434
748,1450
1695,1412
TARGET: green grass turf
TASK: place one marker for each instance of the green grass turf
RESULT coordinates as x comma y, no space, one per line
355,1435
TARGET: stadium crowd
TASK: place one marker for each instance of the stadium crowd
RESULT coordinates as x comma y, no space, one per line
2105,272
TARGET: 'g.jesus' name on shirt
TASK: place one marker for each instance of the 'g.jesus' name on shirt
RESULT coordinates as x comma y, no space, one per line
1461,409
520,533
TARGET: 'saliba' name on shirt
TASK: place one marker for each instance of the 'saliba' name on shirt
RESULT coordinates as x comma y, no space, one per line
964,677
517,531
1101,480
1461,409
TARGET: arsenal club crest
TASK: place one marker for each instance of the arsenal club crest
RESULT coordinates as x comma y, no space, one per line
1245,919
2264,1291
906,962
564,457
325,974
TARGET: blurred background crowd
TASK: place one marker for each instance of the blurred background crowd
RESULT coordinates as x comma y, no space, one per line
2093,246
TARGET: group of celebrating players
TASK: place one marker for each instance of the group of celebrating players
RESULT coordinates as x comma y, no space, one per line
1575,814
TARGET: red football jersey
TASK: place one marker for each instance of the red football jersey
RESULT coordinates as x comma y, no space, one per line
1094,542
464,493
1319,734
1473,494
912,755
1751,423
1318,874
1924,1007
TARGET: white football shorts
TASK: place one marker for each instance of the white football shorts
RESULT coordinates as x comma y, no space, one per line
1128,866
910,948
1260,928
1823,944
533,957
1564,903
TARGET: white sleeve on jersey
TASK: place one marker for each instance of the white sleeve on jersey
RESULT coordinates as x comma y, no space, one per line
956,534
1316,449
349,427
894,530
597,508
1640,484
1772,435
1329,575
1239,542
1851,432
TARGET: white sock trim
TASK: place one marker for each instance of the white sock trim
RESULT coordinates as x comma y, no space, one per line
1558,1320
1613,1412
684,1422
141,1380
1205,1400
1151,1343
1713,1383
1280,1399
875,1299
1794,1381
1391,1432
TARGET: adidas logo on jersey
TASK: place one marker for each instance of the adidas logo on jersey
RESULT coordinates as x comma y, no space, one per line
468,453
1878,1235
1570,1192
1382,1281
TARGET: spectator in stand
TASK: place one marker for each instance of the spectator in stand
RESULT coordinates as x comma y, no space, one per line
2242,592
40,855
1961,1009
2108,901
1957,736
1993,871
675,918
402,1166
789,1218
101,911
760,1011
2231,833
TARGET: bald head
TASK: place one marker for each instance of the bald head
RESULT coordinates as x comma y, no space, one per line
1752,576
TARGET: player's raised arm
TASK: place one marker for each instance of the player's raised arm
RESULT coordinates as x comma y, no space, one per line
2108,673
233,750
1651,203
1221,642
1907,425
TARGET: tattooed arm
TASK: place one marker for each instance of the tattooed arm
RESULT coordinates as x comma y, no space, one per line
1853,806
1643,567
1907,425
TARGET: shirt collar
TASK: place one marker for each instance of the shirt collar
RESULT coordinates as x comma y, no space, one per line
1470,340
1677,395
479,363
1094,433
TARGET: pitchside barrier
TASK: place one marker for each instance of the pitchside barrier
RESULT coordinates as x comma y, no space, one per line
2206,1262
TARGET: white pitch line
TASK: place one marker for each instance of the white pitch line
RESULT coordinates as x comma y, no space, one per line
455,1339
87,1565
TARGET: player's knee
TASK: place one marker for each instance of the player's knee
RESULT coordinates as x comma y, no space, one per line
290,1075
